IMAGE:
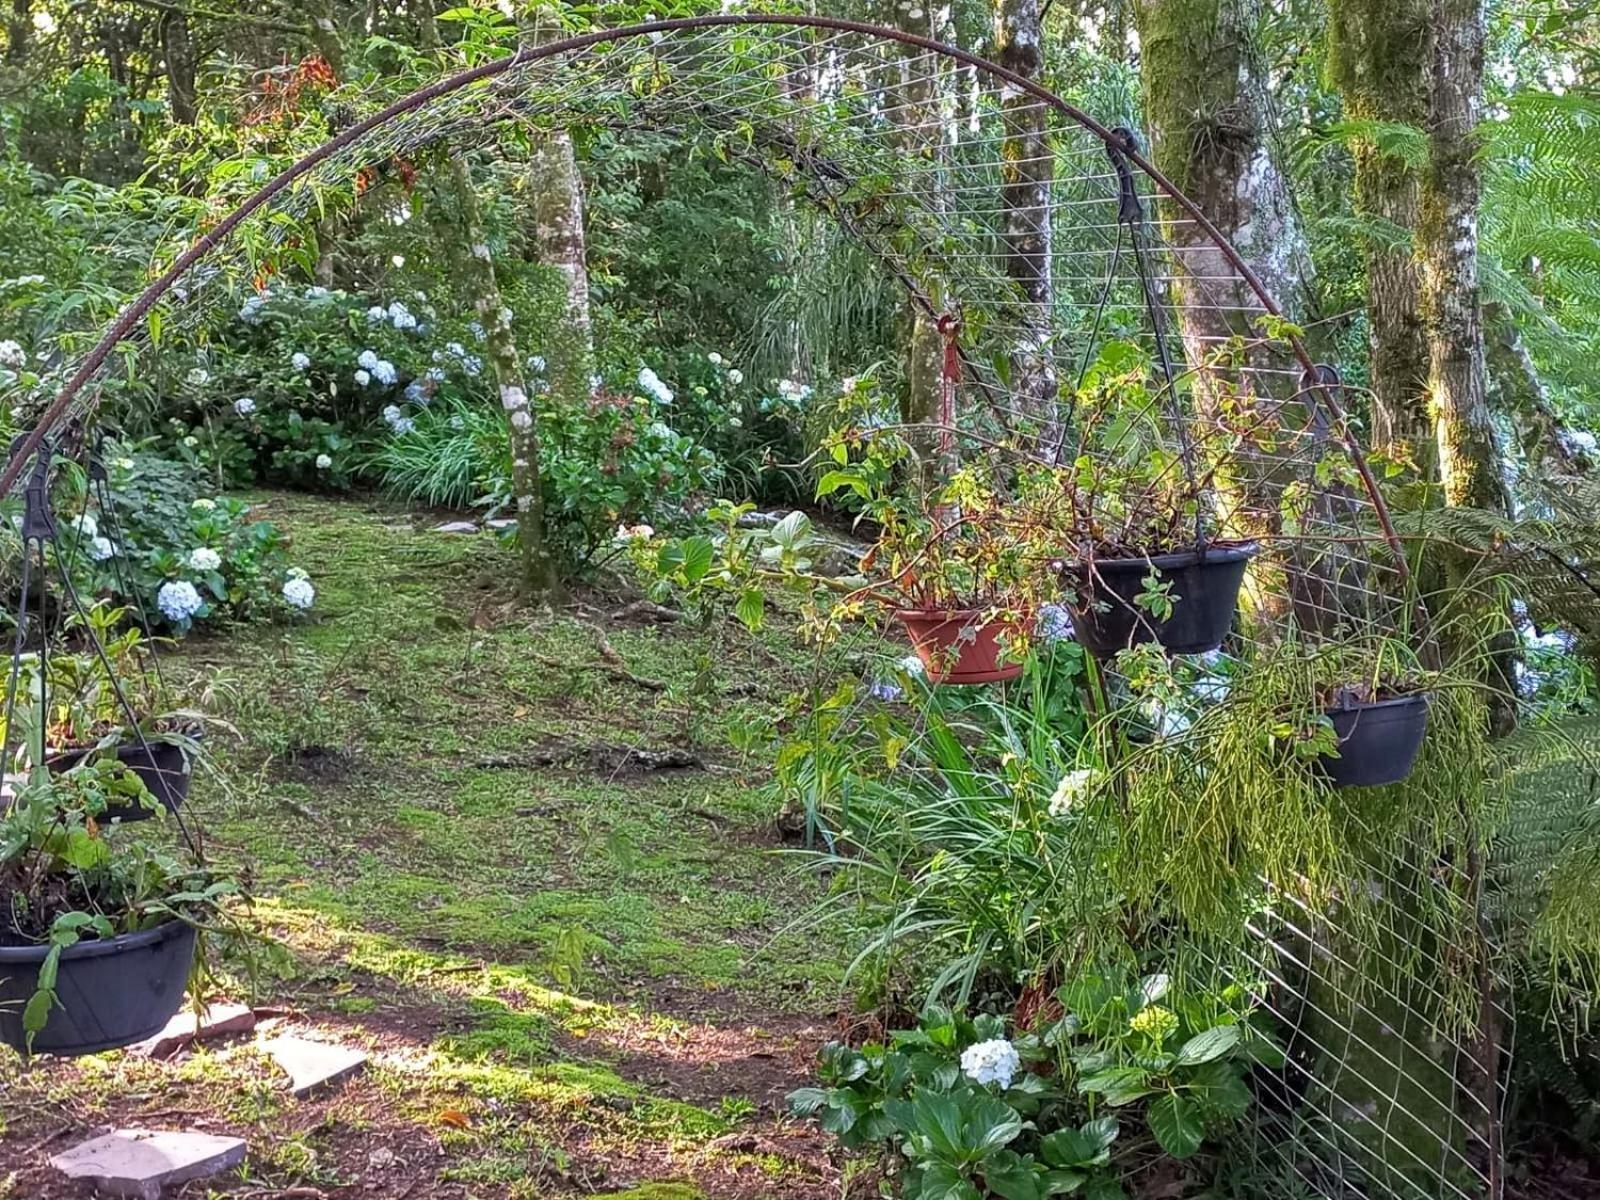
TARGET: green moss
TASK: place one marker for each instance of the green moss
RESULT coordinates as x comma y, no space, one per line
657,1191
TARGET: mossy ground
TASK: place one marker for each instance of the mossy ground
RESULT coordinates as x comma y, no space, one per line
574,973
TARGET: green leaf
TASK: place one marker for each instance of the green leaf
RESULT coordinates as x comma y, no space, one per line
991,1124
1104,1187
36,1013
833,481
1069,1148
941,1181
1175,1121
793,531
1119,1085
803,1102
1011,1175
751,609
698,555
1062,1183
1207,1045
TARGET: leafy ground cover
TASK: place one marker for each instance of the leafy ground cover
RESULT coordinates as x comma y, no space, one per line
519,859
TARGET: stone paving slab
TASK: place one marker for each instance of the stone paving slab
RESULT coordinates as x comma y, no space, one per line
141,1163
216,1021
312,1066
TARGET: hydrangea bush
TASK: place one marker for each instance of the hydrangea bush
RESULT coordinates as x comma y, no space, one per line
176,556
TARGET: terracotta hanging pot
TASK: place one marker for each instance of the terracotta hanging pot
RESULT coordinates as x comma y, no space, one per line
1204,586
957,646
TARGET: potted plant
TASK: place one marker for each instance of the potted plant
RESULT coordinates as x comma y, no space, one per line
1148,560
1376,699
107,700
957,575
98,925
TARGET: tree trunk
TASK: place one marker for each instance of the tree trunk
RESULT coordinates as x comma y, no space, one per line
1379,55
1520,394
1026,176
178,48
19,29
1447,240
539,575
1211,133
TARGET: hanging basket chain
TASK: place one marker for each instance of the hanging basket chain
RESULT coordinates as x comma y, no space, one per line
1131,214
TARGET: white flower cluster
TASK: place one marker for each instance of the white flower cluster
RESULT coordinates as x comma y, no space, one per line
203,505
297,590
250,312
373,367
633,533
471,364
650,382
324,461
178,600
204,558
13,355
1071,791
790,390
735,376
244,406
299,361
100,549
86,526
397,421
198,377
995,1061
400,316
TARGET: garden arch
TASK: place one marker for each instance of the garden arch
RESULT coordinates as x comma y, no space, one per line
912,146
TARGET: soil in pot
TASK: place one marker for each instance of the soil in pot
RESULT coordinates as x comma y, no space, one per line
112,992
957,646
1204,586
162,767
1378,740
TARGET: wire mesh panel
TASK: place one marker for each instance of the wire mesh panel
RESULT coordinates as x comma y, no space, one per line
1101,338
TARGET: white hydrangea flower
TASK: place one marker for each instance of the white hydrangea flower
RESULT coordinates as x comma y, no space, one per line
13,355
383,371
400,316
367,359
476,330
204,558
651,382
203,505
993,1062
244,406
362,378
178,600
299,361
198,377
472,365
912,665
86,526
377,313
735,376
101,549
631,533
317,292
1071,791
250,311
298,592
714,359
404,426
324,462
391,413
434,374
536,364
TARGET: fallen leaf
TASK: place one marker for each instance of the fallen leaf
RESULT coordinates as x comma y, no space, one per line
455,1117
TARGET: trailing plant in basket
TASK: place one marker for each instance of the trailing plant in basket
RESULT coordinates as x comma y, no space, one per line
65,878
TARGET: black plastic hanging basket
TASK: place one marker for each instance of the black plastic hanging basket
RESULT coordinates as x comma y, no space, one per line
1203,586
1378,741
112,992
163,768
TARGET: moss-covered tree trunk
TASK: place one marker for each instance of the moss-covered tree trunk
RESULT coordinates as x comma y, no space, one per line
1447,243
539,574
1027,172
1379,54
1211,134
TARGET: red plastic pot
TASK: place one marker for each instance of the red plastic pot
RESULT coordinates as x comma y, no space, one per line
957,646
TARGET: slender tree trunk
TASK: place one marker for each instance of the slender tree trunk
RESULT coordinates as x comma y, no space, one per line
19,31
1211,133
539,575
1026,179
1520,393
1447,239
1380,54
178,48
916,100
